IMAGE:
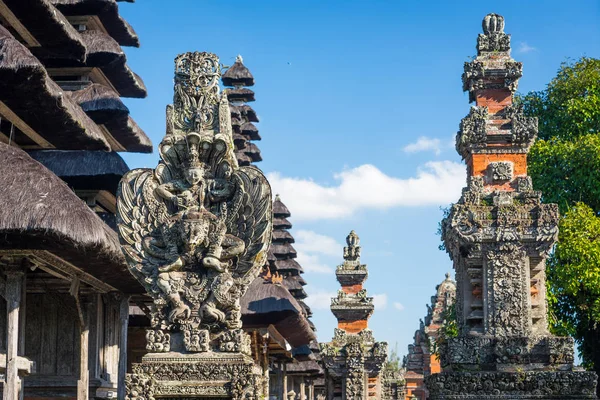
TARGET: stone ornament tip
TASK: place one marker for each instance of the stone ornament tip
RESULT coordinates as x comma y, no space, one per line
493,23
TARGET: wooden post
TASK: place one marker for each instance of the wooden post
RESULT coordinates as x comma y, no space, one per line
83,384
330,388
302,389
124,320
284,385
311,390
14,282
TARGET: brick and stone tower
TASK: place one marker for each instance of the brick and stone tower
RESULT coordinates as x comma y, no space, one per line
238,78
498,236
353,360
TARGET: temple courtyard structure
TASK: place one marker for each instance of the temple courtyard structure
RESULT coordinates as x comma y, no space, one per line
181,281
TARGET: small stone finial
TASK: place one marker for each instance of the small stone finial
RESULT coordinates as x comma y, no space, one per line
493,23
277,198
447,276
352,239
352,251
239,59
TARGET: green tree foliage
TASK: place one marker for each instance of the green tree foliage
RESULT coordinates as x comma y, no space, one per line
565,165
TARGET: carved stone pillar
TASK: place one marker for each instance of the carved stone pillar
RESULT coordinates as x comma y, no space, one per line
284,381
498,235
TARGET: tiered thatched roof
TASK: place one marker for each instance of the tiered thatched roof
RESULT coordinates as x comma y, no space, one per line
242,116
62,54
40,212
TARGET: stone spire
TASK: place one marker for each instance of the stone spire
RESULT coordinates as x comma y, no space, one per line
498,236
238,78
353,359
352,307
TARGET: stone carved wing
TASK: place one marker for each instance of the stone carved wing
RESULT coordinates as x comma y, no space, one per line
250,220
140,216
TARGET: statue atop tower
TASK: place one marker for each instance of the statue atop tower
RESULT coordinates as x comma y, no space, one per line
353,359
195,232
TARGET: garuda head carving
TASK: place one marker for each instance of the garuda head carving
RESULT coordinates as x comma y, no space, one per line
195,230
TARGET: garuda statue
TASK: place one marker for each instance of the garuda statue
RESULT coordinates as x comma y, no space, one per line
195,230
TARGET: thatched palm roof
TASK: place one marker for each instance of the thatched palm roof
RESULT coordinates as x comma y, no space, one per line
108,12
281,223
280,210
243,95
250,130
50,28
40,212
245,111
105,107
101,49
288,265
282,236
27,90
267,304
253,152
84,170
238,75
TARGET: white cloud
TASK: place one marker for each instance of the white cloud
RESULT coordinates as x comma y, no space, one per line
424,143
525,48
311,263
380,301
398,306
366,187
310,245
319,299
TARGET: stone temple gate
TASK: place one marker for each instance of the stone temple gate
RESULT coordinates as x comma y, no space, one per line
498,236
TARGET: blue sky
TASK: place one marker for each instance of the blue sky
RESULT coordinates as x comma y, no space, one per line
359,102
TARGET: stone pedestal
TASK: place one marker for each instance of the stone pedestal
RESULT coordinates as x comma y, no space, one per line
194,376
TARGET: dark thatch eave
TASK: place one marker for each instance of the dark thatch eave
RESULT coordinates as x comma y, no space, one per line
100,102
281,236
294,282
105,107
298,294
238,75
250,130
239,141
288,265
281,223
40,212
279,209
241,95
130,135
29,92
101,49
84,170
108,12
304,367
252,151
127,82
267,304
283,249
50,28
243,159
306,308
245,111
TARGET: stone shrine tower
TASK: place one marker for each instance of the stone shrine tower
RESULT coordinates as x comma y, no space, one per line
498,236
353,360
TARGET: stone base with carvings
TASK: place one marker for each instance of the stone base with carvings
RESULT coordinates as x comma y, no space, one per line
557,385
488,353
194,376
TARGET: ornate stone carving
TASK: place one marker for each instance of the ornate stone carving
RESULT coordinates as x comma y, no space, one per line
195,232
472,133
196,228
501,171
524,129
158,341
559,385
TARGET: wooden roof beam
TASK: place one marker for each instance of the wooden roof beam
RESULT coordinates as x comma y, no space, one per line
7,113
14,22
